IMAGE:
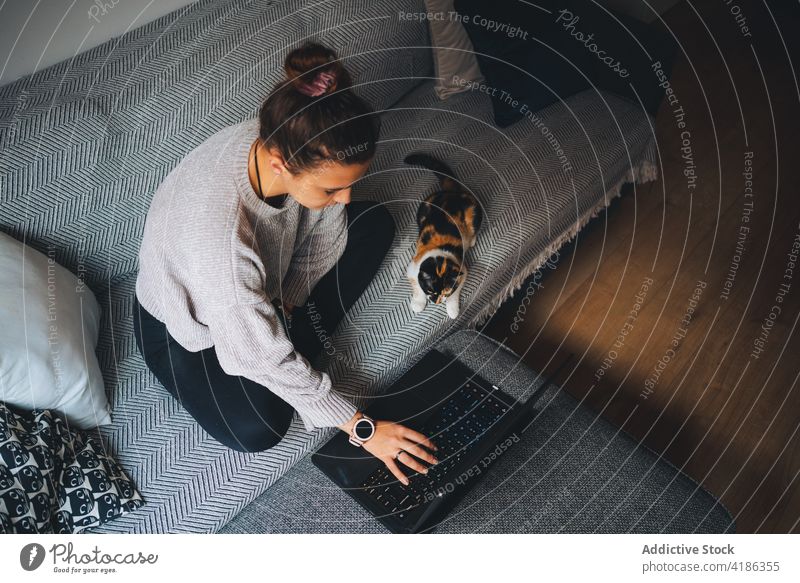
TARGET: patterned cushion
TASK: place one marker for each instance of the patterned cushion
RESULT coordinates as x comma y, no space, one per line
54,479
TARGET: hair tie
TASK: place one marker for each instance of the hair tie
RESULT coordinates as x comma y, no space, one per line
318,86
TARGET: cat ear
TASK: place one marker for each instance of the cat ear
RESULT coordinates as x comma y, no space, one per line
455,271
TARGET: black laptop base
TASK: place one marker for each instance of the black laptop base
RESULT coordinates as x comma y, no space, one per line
471,421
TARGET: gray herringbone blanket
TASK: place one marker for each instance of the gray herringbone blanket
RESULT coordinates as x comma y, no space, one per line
84,144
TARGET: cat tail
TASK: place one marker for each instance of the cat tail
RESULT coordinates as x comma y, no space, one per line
442,170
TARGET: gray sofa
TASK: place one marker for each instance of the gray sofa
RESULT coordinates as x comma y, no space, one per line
85,144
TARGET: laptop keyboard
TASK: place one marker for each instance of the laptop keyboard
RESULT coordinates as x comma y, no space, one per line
455,429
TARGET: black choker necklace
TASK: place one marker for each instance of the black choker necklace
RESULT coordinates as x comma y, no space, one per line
258,175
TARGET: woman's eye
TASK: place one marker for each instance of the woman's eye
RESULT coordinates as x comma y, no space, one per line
329,192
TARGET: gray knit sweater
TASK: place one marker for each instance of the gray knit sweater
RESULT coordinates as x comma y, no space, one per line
213,256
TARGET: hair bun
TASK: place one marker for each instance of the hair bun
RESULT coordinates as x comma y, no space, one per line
315,70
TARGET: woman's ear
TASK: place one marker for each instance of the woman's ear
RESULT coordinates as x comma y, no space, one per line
276,162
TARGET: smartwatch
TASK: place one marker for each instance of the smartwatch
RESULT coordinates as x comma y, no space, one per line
363,430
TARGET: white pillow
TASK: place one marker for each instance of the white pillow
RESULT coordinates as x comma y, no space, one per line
49,324
451,66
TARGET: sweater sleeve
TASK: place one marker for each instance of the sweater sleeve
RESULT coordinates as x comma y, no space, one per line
250,341
317,255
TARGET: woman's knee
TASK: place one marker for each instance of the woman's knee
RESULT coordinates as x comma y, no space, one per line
260,432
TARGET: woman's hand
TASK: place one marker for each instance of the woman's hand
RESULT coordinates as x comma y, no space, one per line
392,438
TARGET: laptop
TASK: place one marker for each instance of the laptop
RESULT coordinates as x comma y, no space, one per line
471,421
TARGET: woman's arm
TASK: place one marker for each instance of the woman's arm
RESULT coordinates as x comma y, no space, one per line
250,341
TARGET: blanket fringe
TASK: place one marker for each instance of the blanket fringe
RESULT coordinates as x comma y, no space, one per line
647,171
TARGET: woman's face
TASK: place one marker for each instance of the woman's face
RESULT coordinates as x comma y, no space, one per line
327,184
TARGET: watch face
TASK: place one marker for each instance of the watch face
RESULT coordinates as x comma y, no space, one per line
364,429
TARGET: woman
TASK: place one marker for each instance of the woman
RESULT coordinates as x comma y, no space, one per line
260,215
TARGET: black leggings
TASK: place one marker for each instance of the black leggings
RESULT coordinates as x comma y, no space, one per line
234,410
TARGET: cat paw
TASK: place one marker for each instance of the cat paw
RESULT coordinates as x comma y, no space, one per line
417,306
452,310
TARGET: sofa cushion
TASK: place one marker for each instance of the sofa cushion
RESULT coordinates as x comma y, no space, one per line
534,54
454,59
50,323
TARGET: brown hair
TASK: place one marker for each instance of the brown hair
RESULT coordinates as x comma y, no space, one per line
313,115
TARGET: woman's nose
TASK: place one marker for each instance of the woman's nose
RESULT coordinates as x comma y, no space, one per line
343,196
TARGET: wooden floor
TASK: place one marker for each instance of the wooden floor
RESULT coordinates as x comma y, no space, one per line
693,388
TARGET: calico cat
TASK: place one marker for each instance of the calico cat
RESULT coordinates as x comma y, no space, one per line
448,222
